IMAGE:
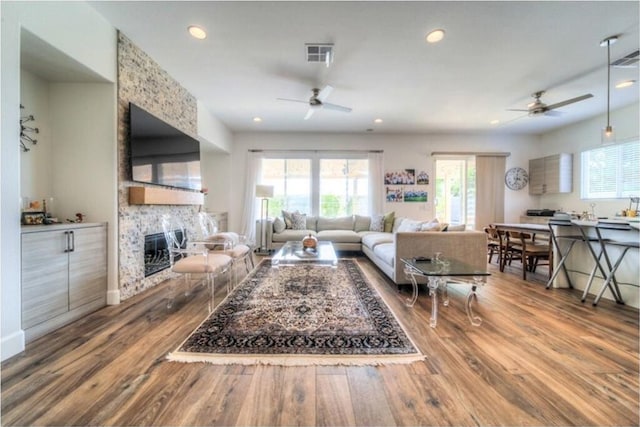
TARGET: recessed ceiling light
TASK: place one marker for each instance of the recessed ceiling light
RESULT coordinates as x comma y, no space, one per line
435,36
377,121
625,83
494,122
197,32
257,119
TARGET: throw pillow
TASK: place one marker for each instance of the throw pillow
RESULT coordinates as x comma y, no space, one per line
433,225
299,221
288,219
278,225
388,222
377,223
409,225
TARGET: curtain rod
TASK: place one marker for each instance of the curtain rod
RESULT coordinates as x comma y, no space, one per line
469,153
315,151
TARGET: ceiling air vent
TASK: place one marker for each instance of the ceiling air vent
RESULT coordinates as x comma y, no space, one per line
319,53
628,61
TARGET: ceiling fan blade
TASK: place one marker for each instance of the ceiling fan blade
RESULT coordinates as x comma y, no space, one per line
517,109
553,113
324,93
336,107
310,113
292,100
513,120
568,101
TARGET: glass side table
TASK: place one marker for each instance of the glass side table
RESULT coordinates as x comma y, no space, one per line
440,271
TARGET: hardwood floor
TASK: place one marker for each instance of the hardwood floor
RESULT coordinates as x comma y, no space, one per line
540,358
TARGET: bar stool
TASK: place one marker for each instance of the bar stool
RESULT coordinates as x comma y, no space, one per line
597,264
624,245
572,239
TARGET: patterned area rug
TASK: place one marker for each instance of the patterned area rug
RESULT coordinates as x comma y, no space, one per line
302,315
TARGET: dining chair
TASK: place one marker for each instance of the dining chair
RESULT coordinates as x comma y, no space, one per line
524,247
188,259
228,243
494,244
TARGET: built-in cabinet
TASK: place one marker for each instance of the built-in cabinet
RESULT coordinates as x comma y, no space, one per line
551,174
64,274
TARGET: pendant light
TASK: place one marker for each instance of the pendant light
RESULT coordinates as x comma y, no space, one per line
608,134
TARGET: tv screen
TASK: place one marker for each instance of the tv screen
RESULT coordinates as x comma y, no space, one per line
161,154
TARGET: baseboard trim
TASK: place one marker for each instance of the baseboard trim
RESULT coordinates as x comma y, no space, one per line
113,297
12,344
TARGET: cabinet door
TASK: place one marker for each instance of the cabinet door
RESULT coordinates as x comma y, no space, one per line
536,176
88,266
44,276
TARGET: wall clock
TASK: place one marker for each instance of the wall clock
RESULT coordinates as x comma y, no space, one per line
516,178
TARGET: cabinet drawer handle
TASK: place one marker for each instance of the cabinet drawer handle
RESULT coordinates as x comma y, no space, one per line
73,241
66,243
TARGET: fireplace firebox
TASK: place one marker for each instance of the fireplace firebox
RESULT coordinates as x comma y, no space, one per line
156,254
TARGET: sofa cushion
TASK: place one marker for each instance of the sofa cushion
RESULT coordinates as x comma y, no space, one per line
340,223
278,225
371,240
361,223
455,227
386,252
339,236
311,222
289,234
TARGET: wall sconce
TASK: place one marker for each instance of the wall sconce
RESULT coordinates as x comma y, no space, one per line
25,138
608,134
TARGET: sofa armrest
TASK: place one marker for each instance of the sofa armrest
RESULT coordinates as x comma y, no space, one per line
467,246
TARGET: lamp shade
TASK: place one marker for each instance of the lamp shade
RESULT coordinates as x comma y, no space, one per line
264,190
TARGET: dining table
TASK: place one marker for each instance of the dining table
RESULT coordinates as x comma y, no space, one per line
533,229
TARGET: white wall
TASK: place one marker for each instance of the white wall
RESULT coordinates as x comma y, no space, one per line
584,136
400,152
35,164
75,29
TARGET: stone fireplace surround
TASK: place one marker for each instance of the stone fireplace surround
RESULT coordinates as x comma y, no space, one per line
143,82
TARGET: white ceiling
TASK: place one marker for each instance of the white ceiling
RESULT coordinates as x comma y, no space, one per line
494,56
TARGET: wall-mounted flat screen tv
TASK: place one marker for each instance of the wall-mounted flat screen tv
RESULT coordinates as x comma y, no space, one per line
161,154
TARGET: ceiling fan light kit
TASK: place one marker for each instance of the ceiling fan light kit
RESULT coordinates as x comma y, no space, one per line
608,134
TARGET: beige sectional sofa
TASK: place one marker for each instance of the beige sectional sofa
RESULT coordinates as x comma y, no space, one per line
386,249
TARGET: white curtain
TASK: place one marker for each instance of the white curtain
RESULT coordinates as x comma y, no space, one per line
254,171
489,190
376,174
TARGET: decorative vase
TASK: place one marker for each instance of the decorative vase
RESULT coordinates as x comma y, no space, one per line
309,243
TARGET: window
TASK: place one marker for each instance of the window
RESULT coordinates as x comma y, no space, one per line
291,180
611,172
344,187
325,184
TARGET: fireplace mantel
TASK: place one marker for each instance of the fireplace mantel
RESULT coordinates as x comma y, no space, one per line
163,196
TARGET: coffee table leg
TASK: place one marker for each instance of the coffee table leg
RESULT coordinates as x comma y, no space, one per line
433,292
414,283
475,320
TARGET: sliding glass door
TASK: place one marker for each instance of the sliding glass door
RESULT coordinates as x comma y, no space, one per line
455,181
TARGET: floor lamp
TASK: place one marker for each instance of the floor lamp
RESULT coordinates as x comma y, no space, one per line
265,192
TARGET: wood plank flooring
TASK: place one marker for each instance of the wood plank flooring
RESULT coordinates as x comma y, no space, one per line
540,358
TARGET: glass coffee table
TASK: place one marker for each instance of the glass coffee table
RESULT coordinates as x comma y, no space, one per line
439,272
293,253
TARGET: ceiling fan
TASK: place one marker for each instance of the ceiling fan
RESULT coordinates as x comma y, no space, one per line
317,101
538,108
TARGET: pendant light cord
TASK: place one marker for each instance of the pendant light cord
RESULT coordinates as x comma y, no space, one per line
608,80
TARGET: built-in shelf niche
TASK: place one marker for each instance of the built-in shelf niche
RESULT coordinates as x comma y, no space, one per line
163,196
